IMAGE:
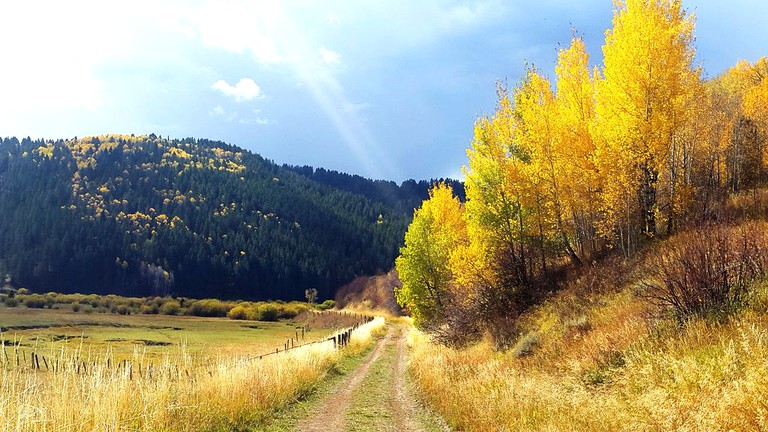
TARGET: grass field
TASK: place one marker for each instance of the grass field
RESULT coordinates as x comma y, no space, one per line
154,335
156,372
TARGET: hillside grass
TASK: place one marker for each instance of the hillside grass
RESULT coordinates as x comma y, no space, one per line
596,357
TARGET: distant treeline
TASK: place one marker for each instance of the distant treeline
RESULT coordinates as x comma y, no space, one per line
404,197
144,215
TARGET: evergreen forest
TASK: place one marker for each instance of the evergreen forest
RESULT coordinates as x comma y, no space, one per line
146,215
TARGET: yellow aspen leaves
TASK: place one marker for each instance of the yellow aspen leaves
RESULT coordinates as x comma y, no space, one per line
437,229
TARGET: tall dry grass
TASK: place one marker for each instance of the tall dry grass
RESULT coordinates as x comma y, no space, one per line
181,393
601,362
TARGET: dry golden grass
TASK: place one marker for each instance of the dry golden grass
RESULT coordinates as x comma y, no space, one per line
180,393
601,362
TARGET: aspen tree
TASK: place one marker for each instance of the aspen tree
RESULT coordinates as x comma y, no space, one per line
423,266
648,57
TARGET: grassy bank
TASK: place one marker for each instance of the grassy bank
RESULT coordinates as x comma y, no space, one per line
605,362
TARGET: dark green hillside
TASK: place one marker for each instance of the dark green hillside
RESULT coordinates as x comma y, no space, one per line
405,197
146,215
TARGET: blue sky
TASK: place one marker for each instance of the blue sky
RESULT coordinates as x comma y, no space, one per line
385,89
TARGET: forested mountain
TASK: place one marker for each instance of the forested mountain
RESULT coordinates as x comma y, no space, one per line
143,215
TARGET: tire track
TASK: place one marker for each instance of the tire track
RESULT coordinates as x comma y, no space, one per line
329,416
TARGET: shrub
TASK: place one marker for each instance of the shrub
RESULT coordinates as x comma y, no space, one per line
149,309
75,307
290,310
526,344
156,301
22,291
238,313
708,271
11,302
208,308
35,301
123,309
266,312
170,307
328,304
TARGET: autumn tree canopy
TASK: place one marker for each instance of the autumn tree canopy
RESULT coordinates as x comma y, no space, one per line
423,265
607,158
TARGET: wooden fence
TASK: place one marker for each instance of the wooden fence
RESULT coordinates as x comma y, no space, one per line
37,362
339,339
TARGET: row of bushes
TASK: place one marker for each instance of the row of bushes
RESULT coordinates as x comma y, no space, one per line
88,303
264,311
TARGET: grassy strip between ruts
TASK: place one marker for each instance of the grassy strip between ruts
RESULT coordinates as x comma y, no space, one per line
374,401
369,408
288,417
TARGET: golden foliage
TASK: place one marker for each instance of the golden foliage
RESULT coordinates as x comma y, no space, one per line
423,266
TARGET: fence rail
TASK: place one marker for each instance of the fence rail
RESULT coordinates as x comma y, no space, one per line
21,359
340,339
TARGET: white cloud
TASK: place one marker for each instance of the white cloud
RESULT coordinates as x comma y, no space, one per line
258,119
236,27
328,56
246,89
218,111
221,113
332,18
261,121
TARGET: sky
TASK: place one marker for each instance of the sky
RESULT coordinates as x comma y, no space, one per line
384,89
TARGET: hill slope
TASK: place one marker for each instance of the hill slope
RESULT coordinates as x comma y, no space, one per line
146,215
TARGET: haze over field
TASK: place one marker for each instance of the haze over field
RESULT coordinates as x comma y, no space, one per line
387,90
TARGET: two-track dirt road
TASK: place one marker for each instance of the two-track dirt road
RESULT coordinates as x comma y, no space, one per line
376,396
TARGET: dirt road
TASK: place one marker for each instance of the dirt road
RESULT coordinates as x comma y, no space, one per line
376,396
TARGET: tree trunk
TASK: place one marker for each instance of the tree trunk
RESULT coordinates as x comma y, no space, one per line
648,200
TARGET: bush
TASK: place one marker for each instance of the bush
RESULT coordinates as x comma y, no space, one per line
35,301
526,344
170,307
123,309
290,310
11,302
328,304
708,271
75,307
238,313
208,308
149,309
266,312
